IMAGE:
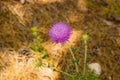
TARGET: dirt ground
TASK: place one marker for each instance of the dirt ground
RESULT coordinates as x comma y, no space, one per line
99,18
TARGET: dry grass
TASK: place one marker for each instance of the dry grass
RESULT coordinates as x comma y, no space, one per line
16,20
21,69
25,13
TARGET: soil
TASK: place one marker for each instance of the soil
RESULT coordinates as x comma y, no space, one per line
100,19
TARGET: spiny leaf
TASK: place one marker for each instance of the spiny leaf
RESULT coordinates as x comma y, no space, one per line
43,54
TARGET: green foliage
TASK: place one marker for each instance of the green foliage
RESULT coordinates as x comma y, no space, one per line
36,48
44,54
38,62
74,50
75,61
79,76
36,44
74,75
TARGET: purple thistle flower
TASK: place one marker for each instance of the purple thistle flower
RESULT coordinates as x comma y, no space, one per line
60,32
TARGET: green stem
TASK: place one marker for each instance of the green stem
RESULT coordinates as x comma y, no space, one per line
85,57
76,65
64,73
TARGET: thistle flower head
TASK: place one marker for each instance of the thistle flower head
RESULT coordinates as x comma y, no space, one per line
60,32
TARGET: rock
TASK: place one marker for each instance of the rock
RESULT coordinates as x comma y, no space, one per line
95,67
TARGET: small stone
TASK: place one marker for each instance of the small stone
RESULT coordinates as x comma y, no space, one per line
96,68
